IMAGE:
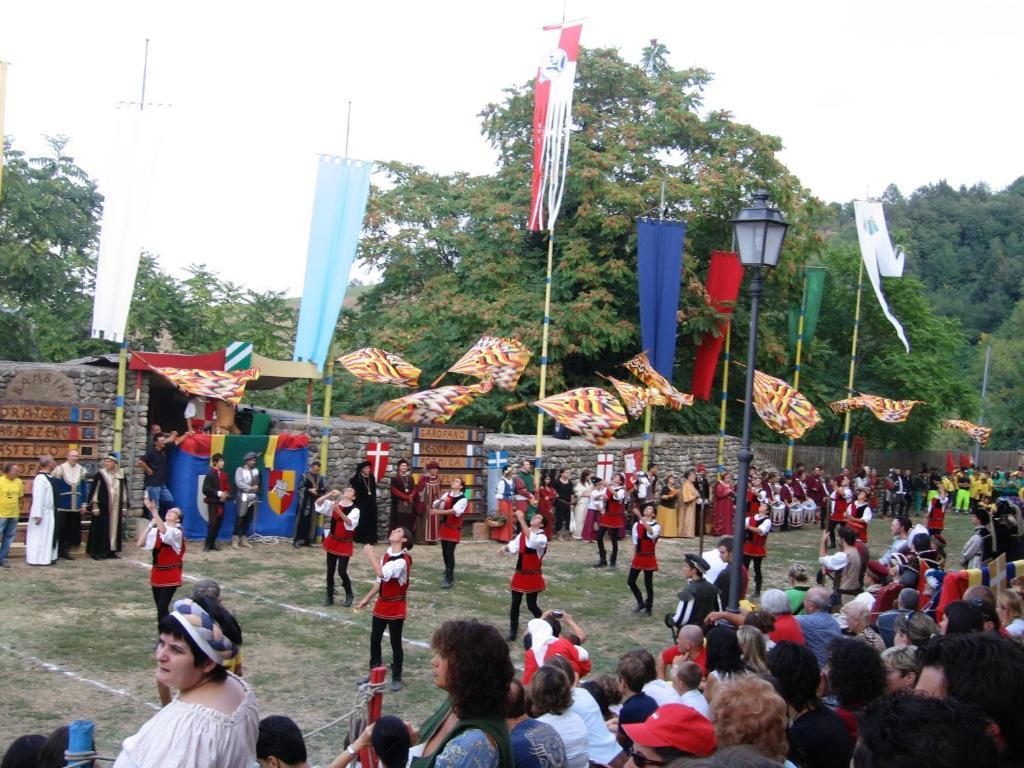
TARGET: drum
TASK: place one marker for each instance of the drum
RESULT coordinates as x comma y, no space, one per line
778,512
796,514
810,512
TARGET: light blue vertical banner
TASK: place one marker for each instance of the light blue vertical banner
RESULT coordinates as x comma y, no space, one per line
342,188
497,461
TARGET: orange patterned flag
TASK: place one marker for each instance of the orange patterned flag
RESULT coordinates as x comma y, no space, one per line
228,386
432,406
640,366
978,433
781,407
636,398
849,404
891,411
591,412
380,367
503,360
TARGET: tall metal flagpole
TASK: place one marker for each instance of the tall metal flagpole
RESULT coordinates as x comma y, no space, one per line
984,395
796,369
853,363
725,398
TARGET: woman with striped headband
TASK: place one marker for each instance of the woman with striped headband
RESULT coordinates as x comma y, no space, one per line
214,720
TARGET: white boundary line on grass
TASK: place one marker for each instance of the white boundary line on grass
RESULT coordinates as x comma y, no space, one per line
284,606
49,666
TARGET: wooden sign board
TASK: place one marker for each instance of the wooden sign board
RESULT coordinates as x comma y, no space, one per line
460,453
27,412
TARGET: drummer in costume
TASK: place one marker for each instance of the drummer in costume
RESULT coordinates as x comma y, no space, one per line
645,537
530,544
758,526
450,508
391,588
612,520
841,499
859,515
344,519
817,491
799,491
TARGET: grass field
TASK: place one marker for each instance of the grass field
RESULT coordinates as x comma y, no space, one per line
78,637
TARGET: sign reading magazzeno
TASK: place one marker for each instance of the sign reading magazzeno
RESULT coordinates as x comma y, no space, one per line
459,452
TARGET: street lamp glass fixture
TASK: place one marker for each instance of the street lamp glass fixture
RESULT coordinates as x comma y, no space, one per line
760,231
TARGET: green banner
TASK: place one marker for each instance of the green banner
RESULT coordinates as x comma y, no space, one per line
814,287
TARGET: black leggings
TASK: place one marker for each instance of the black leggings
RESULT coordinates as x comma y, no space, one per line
757,570
615,542
448,555
634,574
341,563
517,601
832,525
244,519
562,512
163,596
394,628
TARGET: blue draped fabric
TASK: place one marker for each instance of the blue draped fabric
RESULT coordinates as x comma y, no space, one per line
342,187
659,246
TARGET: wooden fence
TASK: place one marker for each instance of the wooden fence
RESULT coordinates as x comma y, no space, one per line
828,457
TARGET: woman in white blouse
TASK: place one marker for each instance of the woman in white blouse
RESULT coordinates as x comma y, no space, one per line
582,491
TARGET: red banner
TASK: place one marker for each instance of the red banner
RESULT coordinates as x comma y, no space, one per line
725,275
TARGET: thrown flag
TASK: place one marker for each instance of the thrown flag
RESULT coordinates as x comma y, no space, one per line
781,407
503,360
380,367
891,411
591,412
979,434
432,406
635,398
228,386
847,404
640,366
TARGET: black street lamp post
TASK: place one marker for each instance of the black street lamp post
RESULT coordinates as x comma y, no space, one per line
760,231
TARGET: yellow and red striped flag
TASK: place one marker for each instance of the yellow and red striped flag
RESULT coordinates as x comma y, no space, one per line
503,360
636,398
380,367
848,404
891,411
640,366
431,406
591,412
228,386
781,407
979,434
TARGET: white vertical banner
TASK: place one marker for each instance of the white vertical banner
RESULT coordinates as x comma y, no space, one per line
127,189
880,258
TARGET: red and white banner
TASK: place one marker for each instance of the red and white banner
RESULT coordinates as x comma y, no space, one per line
552,118
632,461
605,466
377,455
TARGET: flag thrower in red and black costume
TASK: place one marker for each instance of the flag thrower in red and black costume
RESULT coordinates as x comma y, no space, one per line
552,121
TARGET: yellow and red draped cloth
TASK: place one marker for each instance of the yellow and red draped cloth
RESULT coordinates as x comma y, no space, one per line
664,393
884,409
591,412
725,275
635,398
979,434
781,407
228,386
432,406
501,360
379,366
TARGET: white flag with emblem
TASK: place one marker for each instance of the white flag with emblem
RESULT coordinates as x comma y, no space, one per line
880,258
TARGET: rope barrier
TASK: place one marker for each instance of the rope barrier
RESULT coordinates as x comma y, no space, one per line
357,716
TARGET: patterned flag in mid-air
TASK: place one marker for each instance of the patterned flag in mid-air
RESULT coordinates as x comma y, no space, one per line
591,412
432,406
380,367
212,385
847,404
640,366
891,411
781,407
635,398
552,122
979,434
503,360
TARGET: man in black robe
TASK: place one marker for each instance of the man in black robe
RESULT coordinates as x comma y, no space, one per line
314,485
108,503
365,485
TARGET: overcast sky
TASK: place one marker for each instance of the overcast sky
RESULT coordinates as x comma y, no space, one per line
862,94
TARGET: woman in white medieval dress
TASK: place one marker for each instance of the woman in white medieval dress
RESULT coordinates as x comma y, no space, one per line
40,542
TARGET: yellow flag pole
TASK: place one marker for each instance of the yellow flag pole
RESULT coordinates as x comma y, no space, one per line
325,427
538,451
853,364
725,398
647,437
122,376
796,369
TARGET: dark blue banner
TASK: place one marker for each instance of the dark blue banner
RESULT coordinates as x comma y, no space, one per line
659,246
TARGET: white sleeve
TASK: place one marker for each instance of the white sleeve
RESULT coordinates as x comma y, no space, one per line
538,542
654,531
324,507
171,537
835,562
437,503
513,544
460,506
353,518
634,533
36,510
765,526
620,494
867,515
393,569
150,538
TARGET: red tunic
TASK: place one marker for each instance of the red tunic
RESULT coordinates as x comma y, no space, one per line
391,598
614,514
168,565
339,540
644,558
528,577
936,516
839,508
451,524
755,544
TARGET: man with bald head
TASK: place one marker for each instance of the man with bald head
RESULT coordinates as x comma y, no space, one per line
689,647
71,492
819,626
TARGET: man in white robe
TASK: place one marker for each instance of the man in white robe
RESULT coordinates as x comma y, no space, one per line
40,543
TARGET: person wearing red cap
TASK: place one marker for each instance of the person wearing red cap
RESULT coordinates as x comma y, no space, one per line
671,732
